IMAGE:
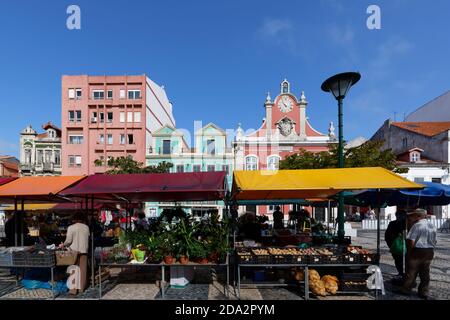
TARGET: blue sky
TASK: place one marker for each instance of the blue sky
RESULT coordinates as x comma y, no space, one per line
217,59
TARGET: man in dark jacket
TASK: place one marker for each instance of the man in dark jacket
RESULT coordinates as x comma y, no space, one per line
394,229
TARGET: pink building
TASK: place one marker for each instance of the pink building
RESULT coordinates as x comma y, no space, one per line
109,116
285,130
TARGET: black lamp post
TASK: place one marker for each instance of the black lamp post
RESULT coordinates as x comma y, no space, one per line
339,85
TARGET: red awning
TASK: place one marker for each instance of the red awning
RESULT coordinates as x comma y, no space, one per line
4,180
188,186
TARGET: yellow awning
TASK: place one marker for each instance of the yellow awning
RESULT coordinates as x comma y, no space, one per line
313,183
32,206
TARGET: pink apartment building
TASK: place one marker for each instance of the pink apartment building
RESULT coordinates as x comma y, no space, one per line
109,116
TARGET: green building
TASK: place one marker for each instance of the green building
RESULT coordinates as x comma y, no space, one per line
209,153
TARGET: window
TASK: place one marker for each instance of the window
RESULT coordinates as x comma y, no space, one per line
78,139
180,168
271,208
197,168
101,138
102,117
122,94
211,146
122,116
137,116
110,139
71,93
419,180
166,146
134,94
436,180
94,117
109,94
27,156
74,161
48,156
75,116
40,156
273,163
129,116
130,139
211,167
251,163
57,157
78,115
122,138
415,156
71,116
51,133
226,168
78,94
110,117
98,94
405,143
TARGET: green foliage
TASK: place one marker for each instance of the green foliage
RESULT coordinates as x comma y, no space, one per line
369,154
127,164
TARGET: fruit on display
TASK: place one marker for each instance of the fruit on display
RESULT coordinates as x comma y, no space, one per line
299,275
313,275
285,251
318,287
357,250
260,252
331,283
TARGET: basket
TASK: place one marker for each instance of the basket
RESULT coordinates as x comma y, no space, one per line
367,258
332,259
66,258
299,258
281,258
263,258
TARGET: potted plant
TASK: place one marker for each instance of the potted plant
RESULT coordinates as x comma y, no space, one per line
166,247
199,252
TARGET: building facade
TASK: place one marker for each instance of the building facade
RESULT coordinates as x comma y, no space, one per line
423,148
40,153
109,116
210,153
285,130
9,166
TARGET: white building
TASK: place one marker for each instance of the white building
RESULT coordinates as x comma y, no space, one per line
40,154
423,148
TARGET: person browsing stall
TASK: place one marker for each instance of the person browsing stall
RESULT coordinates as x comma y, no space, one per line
420,243
77,239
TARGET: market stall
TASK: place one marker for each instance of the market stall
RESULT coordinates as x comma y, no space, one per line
336,261
31,190
159,248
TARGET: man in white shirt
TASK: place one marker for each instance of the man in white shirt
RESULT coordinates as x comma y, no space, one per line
420,243
77,239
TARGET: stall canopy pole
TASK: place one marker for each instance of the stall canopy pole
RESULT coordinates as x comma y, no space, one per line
378,227
92,243
15,222
22,220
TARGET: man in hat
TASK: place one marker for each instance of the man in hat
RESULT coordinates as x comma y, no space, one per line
420,243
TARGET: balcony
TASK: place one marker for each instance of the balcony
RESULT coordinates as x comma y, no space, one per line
48,167
25,167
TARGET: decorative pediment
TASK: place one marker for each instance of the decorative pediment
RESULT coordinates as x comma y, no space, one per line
286,126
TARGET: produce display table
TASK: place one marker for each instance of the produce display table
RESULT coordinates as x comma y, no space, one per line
163,266
305,267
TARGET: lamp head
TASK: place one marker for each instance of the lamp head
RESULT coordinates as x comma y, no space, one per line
339,84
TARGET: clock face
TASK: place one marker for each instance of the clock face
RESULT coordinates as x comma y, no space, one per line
285,104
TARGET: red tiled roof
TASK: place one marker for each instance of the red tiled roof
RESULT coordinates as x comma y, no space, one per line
429,129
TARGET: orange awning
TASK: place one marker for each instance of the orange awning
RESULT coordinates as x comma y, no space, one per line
37,189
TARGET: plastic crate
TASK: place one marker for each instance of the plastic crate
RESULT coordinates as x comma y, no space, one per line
263,258
245,257
354,282
281,258
35,258
333,259
367,258
5,258
350,258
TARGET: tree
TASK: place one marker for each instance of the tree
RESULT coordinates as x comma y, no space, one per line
129,165
369,154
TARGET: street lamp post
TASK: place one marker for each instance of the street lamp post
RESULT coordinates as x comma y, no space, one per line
339,85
